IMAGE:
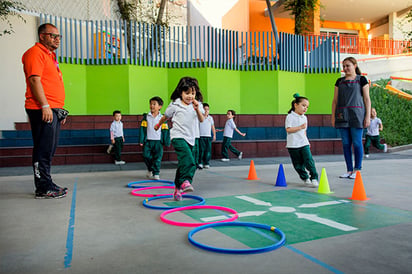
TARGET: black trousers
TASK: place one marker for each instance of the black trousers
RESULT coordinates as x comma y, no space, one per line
45,140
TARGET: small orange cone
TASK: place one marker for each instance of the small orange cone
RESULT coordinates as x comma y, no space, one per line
252,172
358,192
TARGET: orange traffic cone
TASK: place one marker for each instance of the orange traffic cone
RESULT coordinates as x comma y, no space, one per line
252,172
358,192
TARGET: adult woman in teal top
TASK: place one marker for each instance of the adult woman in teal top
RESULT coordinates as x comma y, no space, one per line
351,108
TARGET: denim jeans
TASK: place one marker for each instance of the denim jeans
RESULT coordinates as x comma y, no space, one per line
352,136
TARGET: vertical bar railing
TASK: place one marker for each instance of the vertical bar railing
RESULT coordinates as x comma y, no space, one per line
120,42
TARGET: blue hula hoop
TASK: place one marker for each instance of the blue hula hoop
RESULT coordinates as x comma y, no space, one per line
146,201
136,184
238,251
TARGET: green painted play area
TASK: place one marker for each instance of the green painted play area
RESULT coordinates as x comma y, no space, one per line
302,216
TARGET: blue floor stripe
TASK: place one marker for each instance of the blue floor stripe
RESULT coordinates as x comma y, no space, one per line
314,260
70,232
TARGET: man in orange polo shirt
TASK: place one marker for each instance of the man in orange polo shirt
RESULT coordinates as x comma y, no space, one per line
44,105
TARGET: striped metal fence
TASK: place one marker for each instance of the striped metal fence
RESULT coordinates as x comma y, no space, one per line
108,42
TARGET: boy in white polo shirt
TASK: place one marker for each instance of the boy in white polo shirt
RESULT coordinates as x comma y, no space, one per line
153,140
205,144
297,142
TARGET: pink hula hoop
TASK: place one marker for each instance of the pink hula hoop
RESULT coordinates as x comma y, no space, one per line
135,191
170,222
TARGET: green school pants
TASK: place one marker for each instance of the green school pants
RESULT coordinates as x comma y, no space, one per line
376,142
226,145
205,150
195,151
118,146
302,160
152,155
186,166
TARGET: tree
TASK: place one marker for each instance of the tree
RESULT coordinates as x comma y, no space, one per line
303,11
8,9
131,10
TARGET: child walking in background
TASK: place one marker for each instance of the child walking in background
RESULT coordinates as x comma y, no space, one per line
205,144
116,136
153,140
230,126
185,113
297,142
372,134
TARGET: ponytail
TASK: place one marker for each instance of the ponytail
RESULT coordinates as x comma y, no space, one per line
297,100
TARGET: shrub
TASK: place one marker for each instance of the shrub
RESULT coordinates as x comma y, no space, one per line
396,116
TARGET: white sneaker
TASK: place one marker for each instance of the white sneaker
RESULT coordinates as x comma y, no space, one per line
315,183
385,148
353,175
200,165
240,156
207,166
224,160
307,182
149,174
346,175
366,155
119,162
156,177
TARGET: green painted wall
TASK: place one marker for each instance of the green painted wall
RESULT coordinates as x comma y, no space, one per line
259,92
223,90
98,90
74,77
144,83
290,83
107,89
320,90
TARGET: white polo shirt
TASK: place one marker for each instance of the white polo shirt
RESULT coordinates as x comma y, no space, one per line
153,134
116,129
299,138
184,119
373,129
206,127
229,128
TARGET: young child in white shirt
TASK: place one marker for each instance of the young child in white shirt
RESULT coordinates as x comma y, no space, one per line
116,137
297,142
230,126
372,134
153,140
207,127
185,112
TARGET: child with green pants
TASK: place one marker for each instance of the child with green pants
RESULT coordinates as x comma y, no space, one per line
297,142
153,140
184,112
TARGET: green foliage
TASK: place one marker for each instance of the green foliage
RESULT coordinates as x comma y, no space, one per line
396,116
302,11
7,9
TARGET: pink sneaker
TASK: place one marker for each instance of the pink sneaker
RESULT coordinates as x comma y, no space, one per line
186,187
177,195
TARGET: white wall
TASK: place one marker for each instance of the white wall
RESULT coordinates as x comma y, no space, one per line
13,86
208,12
